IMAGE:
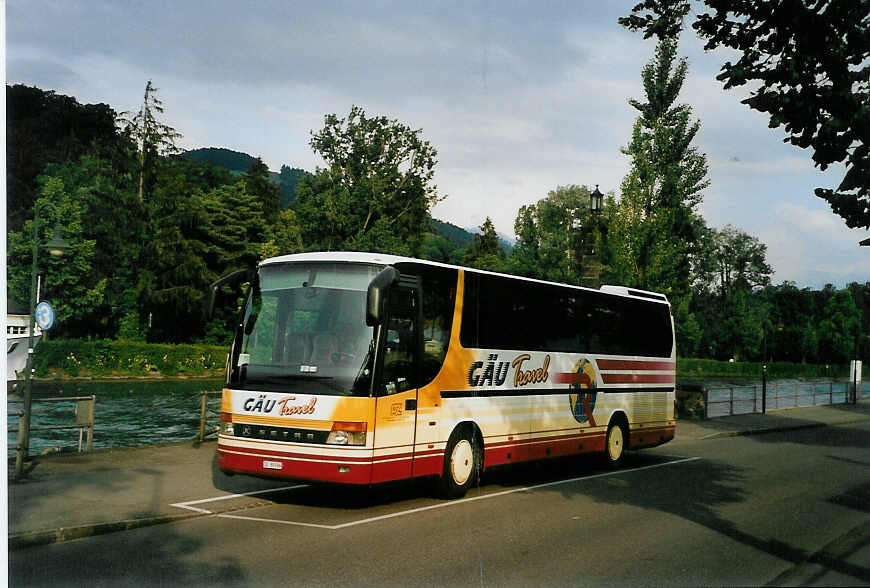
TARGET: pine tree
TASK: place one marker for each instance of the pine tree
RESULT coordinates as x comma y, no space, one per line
152,137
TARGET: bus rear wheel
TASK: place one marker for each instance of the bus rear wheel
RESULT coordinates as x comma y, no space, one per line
462,461
614,444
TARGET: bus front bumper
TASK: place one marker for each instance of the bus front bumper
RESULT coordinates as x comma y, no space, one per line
290,465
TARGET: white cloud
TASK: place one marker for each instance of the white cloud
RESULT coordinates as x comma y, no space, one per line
813,247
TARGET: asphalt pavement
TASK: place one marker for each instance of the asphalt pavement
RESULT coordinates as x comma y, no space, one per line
71,496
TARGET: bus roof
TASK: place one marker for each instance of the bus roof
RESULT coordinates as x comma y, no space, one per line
388,259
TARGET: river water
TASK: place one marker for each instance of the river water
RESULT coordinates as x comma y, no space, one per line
126,413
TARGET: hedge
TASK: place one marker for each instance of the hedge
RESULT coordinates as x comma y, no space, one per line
76,358
707,368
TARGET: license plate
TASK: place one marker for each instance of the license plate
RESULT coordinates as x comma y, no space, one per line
272,465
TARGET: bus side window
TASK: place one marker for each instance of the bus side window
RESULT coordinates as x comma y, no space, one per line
439,298
401,337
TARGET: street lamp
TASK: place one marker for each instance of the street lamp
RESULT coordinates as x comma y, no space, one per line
596,200
56,246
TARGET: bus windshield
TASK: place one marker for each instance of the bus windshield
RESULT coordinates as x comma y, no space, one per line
304,330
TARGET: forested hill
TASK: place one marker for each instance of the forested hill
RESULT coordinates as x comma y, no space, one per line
238,163
234,161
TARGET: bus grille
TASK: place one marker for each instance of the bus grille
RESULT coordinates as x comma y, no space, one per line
268,433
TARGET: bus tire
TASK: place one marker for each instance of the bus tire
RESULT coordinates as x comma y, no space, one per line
615,443
462,462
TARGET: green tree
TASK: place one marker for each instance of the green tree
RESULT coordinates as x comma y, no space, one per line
376,191
808,64
793,333
105,194
552,236
730,259
177,250
283,236
289,179
484,251
441,249
651,230
837,325
153,138
43,128
236,228
69,282
258,184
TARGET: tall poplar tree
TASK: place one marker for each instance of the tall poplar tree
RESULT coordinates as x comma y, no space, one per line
806,65
652,227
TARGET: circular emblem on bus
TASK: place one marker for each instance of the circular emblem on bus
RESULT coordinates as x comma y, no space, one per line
583,392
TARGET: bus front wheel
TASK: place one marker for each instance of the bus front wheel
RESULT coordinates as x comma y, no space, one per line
462,461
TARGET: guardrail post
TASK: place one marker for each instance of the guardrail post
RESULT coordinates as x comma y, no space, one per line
90,442
203,413
85,420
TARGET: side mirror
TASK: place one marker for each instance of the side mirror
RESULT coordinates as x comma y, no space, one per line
237,277
376,299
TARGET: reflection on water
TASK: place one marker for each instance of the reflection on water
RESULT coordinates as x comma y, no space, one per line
126,414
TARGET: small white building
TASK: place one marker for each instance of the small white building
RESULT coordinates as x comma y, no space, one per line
17,323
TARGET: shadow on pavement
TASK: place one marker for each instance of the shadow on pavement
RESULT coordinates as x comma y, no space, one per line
164,556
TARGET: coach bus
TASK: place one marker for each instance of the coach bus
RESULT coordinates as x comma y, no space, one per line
361,368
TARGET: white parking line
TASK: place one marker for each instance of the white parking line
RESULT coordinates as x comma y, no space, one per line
188,506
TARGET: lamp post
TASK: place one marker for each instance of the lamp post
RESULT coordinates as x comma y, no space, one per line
596,200
764,371
56,246
590,264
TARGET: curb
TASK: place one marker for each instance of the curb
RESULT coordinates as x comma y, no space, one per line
36,538
781,429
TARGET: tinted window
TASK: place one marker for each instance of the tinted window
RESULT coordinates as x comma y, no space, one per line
439,298
503,313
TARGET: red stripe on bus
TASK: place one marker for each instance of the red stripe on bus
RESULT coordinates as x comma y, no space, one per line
295,470
638,378
572,378
621,364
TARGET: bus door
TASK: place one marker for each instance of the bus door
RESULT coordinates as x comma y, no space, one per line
397,383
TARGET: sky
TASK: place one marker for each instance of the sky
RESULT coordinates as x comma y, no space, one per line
518,98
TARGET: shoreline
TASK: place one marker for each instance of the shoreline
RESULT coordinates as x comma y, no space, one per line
11,384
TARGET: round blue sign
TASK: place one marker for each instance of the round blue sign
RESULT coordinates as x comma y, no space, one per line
44,315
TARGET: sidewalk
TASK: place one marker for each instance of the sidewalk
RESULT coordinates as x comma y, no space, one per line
778,420
72,496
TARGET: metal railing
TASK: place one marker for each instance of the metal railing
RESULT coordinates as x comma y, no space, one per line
731,400
205,412
84,420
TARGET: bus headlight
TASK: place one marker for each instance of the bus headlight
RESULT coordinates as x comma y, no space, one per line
226,427
345,433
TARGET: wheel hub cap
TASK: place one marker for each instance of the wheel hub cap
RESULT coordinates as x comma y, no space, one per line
462,462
